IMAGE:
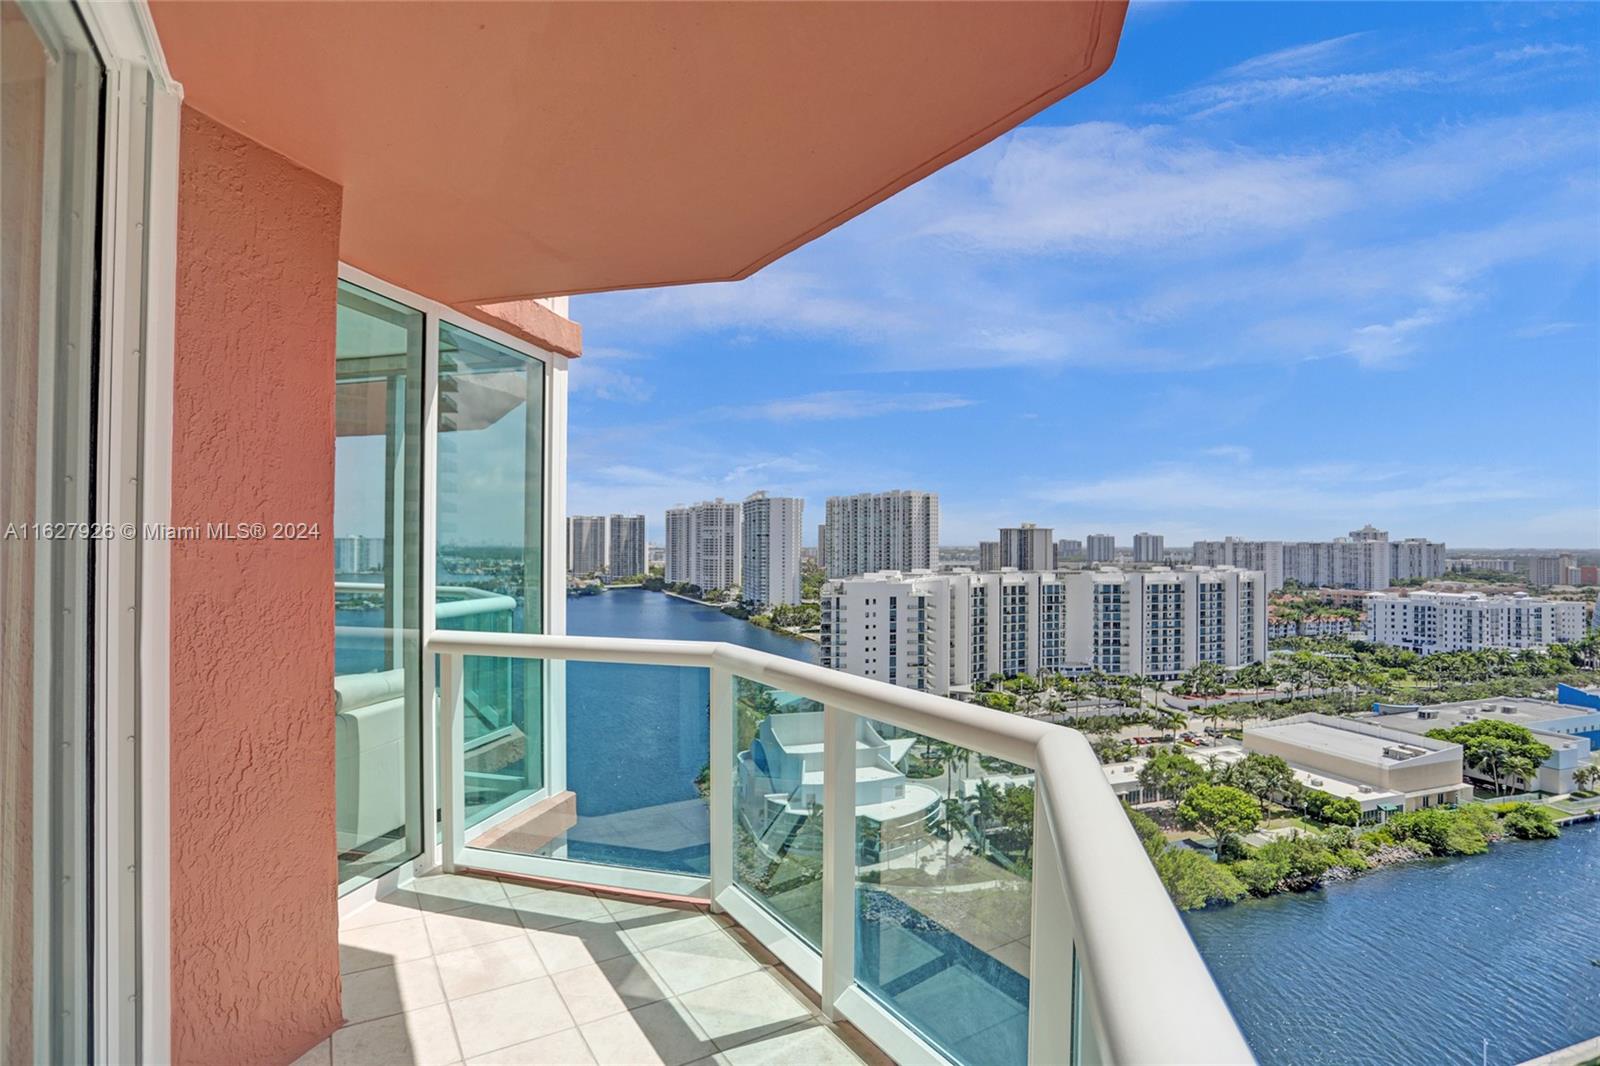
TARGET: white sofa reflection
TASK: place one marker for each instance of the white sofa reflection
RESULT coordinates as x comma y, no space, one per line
370,757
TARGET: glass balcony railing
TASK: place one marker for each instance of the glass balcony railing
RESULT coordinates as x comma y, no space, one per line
959,883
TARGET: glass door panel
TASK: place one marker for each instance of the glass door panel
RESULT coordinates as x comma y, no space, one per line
377,685
489,563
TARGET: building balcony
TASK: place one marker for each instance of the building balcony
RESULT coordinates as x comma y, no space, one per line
394,815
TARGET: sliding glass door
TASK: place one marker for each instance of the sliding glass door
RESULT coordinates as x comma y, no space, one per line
479,452
490,560
377,519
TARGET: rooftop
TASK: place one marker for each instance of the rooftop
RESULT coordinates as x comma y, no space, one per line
1371,744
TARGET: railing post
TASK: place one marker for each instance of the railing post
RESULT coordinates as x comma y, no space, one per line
453,789
1052,1004
838,856
721,800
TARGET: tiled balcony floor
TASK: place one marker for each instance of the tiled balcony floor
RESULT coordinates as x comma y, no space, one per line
475,970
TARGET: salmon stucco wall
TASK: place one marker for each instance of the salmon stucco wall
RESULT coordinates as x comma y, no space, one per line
255,958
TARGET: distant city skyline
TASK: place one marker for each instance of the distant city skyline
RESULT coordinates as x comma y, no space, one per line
1270,277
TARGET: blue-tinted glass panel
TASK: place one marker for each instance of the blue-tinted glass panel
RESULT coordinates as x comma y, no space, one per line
945,895
490,556
637,771
777,803
377,595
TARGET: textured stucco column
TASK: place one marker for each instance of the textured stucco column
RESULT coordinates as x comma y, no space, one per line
255,958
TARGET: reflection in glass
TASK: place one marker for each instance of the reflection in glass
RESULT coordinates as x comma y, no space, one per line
777,801
377,597
489,562
637,773
945,896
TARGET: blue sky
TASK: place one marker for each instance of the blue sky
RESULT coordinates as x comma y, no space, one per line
1285,269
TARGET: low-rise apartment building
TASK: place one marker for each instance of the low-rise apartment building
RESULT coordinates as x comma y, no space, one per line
1427,622
942,632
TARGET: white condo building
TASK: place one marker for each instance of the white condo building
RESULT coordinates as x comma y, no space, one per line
870,531
1148,547
1366,559
625,545
1024,547
357,554
1416,557
941,632
1427,622
770,567
703,544
586,544
1102,547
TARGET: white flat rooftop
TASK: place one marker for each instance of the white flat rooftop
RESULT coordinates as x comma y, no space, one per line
1361,741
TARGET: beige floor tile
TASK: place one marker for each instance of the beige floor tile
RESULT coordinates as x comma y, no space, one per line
382,945
686,965
562,1049
476,923
390,990
609,987
482,967
389,909
448,892
321,1055
511,1015
646,931
545,908
751,1007
579,944
813,1043
424,1037
658,1034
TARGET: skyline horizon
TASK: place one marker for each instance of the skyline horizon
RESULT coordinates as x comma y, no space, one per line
1263,274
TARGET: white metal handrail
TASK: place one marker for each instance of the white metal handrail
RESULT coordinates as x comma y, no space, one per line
1109,952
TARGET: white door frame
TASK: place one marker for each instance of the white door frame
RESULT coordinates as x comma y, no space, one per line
138,255
553,605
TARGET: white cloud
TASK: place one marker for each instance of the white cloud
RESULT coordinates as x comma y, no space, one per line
832,406
1326,492
1236,452
1112,189
595,374
1299,57
1207,100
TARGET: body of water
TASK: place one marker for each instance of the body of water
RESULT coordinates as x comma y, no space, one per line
1419,965
638,736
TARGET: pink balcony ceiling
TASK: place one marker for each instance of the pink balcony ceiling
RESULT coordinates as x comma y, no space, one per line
495,151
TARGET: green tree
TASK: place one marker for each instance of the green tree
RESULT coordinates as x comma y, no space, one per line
1586,778
1263,776
1194,881
1529,821
1171,773
1221,810
1501,750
